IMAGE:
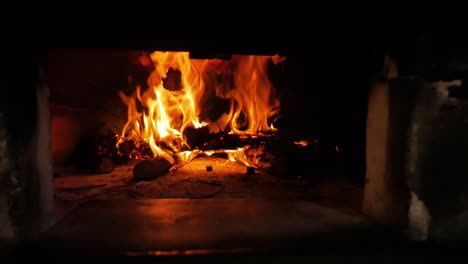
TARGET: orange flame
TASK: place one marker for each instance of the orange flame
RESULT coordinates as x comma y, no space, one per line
252,97
167,112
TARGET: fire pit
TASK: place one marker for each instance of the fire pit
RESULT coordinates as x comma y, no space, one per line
262,145
188,103
176,109
186,127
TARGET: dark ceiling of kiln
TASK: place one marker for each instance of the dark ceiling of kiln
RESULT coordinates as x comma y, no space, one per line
285,39
406,44
287,32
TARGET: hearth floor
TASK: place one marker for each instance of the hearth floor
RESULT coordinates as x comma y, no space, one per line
225,180
188,226
195,210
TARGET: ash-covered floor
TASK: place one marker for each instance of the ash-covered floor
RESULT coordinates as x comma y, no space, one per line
226,180
195,208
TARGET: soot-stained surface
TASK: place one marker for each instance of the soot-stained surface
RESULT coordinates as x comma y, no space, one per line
197,209
144,225
225,180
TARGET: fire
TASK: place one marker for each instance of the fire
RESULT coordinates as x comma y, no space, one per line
158,116
302,143
251,97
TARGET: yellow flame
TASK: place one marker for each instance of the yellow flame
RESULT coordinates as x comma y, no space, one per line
252,98
168,112
240,156
209,152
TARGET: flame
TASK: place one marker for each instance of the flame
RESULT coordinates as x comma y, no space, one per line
240,156
251,98
158,116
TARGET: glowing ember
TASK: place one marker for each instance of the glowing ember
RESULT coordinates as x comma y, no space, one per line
168,112
302,143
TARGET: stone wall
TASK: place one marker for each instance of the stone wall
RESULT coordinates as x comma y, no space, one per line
84,86
26,193
416,158
385,194
7,231
436,159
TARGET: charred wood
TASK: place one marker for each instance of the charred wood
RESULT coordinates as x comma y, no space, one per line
195,137
126,147
279,156
99,153
230,141
150,169
143,151
201,138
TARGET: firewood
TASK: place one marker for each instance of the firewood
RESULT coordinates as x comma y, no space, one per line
250,170
197,136
230,141
150,169
202,139
127,147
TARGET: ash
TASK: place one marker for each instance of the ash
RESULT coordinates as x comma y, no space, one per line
203,177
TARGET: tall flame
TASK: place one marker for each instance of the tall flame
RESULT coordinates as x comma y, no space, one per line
159,116
252,97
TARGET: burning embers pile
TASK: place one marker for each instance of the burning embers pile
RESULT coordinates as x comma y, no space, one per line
192,107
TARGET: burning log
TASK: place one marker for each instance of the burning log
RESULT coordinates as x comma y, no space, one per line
149,169
279,156
127,147
98,153
202,139
197,136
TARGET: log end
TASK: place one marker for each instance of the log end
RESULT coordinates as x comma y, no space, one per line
146,170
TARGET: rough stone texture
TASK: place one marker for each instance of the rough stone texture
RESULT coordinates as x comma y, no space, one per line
43,157
84,94
385,194
86,78
416,151
69,127
418,219
144,225
27,121
226,180
7,232
437,153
